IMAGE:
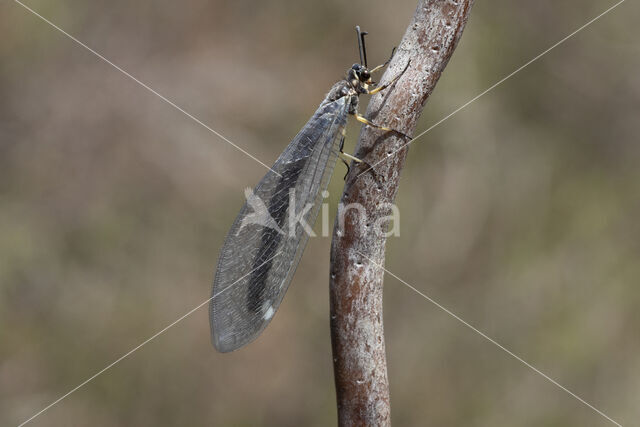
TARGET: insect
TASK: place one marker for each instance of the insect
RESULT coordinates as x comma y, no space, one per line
262,250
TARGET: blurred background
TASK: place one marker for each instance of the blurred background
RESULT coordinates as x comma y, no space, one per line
520,213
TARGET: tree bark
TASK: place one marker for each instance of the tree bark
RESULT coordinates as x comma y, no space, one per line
358,246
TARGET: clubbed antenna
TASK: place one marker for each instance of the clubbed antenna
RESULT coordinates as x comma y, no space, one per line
361,47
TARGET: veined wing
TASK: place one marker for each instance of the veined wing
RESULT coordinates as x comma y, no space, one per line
265,243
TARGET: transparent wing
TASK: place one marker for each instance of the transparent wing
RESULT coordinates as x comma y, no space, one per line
265,243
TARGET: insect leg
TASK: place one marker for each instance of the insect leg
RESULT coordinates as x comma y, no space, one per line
348,168
354,158
366,121
370,123
384,86
381,66
348,156
341,149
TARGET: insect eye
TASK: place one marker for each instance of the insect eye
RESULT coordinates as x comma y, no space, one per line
356,67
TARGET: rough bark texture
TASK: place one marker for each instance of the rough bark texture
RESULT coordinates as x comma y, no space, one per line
357,250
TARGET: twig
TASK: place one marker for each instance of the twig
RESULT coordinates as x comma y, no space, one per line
357,335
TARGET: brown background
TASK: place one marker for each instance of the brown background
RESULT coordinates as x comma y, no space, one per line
520,214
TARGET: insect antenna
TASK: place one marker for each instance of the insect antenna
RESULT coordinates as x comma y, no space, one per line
361,47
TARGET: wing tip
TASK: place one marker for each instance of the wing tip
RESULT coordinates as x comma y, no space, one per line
227,346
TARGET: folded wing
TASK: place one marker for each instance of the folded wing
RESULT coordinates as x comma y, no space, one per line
265,243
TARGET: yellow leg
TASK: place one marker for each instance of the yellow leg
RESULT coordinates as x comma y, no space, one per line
364,120
381,66
350,157
383,87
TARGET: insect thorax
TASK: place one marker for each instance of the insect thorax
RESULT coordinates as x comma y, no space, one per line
344,88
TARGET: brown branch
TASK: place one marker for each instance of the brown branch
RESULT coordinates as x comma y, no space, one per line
357,250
